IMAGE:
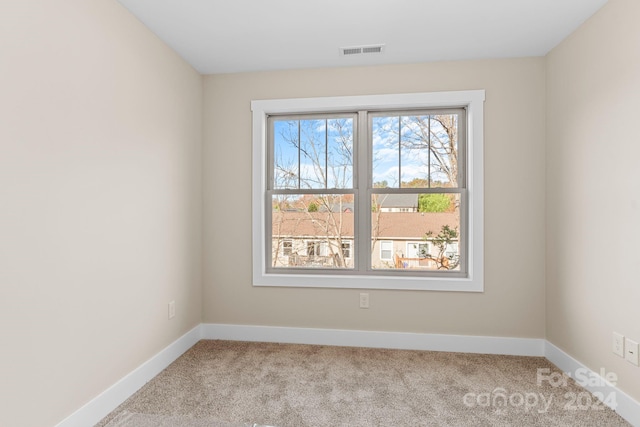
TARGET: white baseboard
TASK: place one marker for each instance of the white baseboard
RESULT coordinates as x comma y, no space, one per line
374,339
623,404
110,399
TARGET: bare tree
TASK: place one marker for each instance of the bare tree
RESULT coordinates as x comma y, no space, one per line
376,209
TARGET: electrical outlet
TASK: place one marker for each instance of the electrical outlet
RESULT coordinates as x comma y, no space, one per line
172,309
618,344
631,351
364,300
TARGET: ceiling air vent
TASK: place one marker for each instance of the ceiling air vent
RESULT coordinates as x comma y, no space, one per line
361,50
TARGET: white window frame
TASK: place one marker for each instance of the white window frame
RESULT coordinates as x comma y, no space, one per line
472,100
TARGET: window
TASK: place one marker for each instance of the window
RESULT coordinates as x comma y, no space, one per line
287,247
355,180
452,250
417,250
386,250
346,249
316,248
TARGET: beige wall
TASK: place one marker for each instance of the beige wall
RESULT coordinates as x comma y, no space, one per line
513,302
593,190
100,202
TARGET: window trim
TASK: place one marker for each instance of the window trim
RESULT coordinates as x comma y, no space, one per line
472,100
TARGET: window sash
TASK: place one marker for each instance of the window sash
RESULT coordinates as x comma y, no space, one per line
461,143
306,117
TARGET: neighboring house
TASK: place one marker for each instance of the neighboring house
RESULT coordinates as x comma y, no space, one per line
312,239
402,240
325,240
398,202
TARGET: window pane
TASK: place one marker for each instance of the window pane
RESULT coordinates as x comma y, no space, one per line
318,230
340,153
285,154
414,151
444,150
385,152
313,153
415,231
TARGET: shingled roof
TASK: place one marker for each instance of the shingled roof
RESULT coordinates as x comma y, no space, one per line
400,225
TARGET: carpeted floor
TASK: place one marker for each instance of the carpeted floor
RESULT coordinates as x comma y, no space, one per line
240,383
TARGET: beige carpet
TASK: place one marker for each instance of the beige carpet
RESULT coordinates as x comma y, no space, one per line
218,382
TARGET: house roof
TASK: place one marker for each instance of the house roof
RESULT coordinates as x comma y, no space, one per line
337,207
400,225
398,200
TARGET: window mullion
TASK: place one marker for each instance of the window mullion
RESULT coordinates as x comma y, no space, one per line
429,150
299,154
363,196
326,153
399,152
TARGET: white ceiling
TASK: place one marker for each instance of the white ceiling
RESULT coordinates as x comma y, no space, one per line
226,36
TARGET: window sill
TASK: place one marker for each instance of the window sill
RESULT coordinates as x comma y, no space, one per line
455,284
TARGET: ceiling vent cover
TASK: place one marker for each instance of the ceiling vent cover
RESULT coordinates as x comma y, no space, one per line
361,50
